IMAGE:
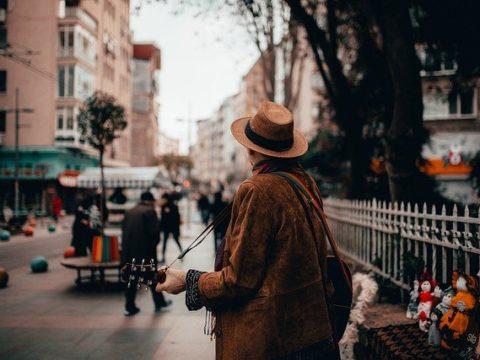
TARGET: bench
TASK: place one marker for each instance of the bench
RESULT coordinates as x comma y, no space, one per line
97,271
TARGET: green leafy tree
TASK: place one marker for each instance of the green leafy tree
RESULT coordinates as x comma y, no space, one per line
100,121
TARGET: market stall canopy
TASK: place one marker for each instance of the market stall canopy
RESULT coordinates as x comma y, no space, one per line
125,177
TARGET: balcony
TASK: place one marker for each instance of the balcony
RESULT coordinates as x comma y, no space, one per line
84,18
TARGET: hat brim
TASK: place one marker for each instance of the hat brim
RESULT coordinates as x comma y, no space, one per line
299,147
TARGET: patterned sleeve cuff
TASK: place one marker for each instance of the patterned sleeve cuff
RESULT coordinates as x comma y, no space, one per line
192,297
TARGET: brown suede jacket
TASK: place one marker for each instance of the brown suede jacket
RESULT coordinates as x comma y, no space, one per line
268,299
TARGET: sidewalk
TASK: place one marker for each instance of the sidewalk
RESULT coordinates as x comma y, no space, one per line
45,316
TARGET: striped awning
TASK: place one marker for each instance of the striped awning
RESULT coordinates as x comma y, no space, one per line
125,177
68,178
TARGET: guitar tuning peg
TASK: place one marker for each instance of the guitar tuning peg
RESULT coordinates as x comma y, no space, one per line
129,284
139,286
133,261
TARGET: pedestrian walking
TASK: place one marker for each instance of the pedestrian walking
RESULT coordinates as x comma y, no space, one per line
82,233
57,205
118,197
140,238
170,223
217,206
269,294
203,206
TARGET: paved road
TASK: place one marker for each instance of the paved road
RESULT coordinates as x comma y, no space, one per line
17,254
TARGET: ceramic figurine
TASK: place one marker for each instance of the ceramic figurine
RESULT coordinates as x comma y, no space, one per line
413,304
455,321
434,337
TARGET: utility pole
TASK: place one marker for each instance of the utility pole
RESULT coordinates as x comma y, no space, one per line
17,110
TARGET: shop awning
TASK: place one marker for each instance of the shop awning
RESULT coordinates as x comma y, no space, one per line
125,177
68,178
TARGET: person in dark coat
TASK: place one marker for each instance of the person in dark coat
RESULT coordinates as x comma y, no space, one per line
170,223
82,233
218,205
203,205
118,197
140,237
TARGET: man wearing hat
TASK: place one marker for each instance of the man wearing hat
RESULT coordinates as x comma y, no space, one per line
140,237
267,296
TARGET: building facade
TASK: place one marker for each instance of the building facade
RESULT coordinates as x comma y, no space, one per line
452,117
167,145
144,125
58,54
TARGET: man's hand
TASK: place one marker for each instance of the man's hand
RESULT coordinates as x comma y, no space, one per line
174,282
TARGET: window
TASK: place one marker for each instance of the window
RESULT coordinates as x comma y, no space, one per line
85,45
60,119
3,121
78,42
3,80
435,60
84,83
69,118
75,81
66,118
66,77
66,41
437,106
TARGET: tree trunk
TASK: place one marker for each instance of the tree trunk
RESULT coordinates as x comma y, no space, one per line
338,88
406,133
102,200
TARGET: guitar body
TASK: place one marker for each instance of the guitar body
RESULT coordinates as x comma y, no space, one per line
340,302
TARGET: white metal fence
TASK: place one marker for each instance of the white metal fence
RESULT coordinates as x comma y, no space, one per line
378,235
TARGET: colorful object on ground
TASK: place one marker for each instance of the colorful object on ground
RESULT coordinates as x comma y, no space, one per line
52,228
455,321
427,299
105,249
70,252
3,278
434,337
28,230
4,235
39,264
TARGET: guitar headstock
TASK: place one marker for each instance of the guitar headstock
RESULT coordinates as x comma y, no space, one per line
136,274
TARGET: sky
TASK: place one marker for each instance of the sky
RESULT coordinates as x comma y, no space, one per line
203,60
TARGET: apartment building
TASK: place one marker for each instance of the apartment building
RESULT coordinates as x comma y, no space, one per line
59,53
144,126
452,117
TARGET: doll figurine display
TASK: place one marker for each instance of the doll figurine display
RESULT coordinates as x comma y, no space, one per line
425,301
434,337
413,304
454,322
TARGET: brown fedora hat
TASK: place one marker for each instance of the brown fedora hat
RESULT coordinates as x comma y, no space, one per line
270,132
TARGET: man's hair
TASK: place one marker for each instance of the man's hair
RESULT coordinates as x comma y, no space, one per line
147,196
